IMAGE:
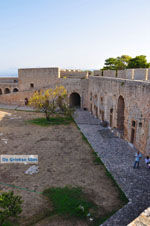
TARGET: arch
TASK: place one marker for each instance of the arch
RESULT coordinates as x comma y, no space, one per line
75,100
120,113
26,101
15,90
1,92
6,90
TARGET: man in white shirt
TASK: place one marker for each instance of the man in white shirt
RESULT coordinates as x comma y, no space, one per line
138,156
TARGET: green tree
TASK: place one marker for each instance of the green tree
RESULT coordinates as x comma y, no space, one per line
110,64
118,63
138,62
10,206
122,62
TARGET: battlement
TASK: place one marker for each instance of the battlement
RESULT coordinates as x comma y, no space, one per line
73,74
132,74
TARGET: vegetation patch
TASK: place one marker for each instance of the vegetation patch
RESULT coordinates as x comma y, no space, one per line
57,120
96,159
10,206
70,202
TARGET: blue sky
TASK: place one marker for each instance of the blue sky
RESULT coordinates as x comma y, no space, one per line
71,33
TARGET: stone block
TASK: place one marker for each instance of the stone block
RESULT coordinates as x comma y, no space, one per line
109,73
121,74
130,74
140,74
97,72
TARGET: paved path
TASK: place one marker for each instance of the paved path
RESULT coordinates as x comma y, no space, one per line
118,157
15,107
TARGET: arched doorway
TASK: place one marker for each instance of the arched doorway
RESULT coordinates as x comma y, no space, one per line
111,117
6,90
120,113
15,90
1,92
74,100
26,101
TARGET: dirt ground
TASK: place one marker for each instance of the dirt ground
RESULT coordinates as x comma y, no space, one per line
64,159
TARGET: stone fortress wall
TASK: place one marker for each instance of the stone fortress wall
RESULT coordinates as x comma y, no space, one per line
121,98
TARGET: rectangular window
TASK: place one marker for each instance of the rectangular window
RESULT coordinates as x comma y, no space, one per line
31,85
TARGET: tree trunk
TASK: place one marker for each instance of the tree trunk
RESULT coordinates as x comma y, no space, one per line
47,116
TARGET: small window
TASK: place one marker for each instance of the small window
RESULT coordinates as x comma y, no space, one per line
140,124
31,85
101,100
15,81
111,110
133,123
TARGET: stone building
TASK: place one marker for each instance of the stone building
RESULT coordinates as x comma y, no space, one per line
121,98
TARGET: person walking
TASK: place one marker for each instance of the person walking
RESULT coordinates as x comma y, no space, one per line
138,156
147,161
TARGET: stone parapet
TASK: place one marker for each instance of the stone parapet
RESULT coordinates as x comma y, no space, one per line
143,219
73,74
8,80
98,73
129,74
142,74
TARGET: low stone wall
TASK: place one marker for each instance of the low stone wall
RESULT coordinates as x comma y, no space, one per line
8,80
143,219
15,98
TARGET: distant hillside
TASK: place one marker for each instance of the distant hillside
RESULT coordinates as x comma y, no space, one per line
1,75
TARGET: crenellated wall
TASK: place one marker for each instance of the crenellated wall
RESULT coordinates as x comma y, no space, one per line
132,74
73,74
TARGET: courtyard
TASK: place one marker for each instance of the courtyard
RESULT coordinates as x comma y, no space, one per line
65,159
